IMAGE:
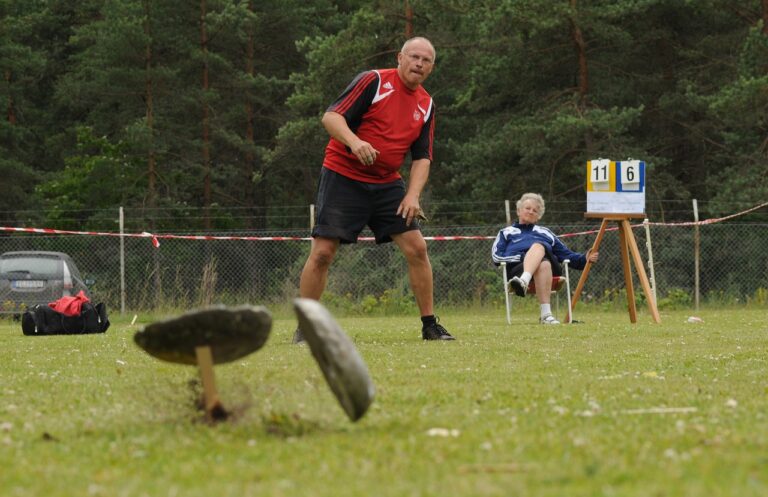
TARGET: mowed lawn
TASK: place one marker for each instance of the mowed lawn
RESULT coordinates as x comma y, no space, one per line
603,407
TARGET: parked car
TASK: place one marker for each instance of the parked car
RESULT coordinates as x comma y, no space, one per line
35,277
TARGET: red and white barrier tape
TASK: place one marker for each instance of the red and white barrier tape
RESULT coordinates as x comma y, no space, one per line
685,223
713,220
156,238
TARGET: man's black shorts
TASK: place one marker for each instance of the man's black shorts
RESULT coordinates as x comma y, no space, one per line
517,269
346,206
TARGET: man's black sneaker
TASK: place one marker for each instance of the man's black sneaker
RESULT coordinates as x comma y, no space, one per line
298,336
435,332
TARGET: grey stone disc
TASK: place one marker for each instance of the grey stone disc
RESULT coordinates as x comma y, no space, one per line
231,333
341,364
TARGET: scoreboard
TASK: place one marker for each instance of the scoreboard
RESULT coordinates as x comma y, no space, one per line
616,187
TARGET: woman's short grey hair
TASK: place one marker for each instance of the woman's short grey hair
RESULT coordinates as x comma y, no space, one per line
536,198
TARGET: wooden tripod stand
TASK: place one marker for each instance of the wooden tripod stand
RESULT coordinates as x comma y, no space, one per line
628,245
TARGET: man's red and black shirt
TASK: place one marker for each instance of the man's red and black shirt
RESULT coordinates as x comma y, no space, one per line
394,119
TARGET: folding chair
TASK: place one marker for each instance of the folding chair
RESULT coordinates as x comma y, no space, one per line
558,282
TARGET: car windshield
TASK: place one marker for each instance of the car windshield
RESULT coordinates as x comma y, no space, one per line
33,265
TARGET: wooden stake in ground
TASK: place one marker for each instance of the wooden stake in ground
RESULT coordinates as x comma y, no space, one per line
213,409
214,335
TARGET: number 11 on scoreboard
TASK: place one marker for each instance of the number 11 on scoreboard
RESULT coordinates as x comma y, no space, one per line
601,175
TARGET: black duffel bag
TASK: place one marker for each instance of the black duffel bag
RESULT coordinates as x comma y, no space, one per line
42,320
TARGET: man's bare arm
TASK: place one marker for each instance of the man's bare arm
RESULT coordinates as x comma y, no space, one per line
337,127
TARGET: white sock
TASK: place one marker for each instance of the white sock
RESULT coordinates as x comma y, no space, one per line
526,276
546,309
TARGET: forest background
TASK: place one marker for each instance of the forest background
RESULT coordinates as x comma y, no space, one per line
172,108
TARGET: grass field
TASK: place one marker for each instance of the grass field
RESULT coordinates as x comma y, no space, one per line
598,408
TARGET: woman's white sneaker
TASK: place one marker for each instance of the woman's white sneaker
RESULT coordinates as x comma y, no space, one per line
548,319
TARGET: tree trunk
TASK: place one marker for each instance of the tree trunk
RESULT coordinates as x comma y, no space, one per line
249,130
150,111
151,160
582,89
408,20
151,199
206,131
765,17
581,54
583,73
11,110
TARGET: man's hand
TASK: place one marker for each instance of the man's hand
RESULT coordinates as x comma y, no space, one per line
364,152
337,127
409,208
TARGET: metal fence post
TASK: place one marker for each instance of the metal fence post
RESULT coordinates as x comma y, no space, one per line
651,272
696,254
122,262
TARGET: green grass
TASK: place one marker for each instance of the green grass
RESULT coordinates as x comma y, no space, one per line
565,411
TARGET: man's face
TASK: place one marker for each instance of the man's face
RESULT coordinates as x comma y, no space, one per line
415,63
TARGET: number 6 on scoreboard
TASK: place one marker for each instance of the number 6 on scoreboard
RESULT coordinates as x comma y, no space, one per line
630,172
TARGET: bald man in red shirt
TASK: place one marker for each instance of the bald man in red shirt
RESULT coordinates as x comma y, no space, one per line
379,118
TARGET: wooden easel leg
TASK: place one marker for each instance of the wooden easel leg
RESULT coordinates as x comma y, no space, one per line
624,233
585,272
641,272
213,408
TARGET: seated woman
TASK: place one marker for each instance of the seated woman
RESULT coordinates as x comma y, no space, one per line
534,252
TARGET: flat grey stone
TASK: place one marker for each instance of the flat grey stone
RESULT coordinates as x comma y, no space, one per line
341,364
231,333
